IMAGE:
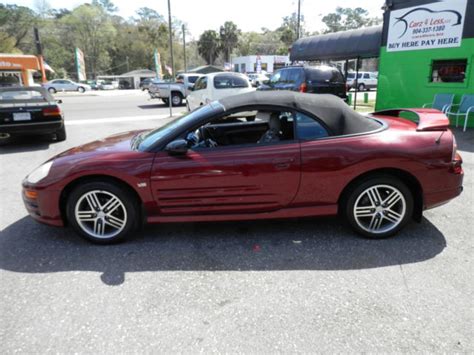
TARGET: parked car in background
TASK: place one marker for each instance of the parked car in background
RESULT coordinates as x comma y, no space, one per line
216,86
30,111
257,79
56,85
301,156
93,84
109,85
179,89
309,79
365,80
145,84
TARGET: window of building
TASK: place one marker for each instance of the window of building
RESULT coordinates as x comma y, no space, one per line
448,71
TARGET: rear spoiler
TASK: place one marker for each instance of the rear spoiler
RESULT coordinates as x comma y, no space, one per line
428,119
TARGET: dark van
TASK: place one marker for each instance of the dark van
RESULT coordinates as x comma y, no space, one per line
314,80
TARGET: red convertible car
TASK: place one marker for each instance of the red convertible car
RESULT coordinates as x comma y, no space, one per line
254,156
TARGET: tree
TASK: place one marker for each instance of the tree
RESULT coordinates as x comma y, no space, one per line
7,43
18,23
90,29
107,5
229,36
289,28
348,19
209,46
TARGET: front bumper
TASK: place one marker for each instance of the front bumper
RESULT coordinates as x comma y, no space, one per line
45,206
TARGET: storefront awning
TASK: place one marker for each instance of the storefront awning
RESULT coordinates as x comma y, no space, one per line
363,43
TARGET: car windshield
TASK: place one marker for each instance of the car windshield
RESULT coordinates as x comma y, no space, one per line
21,95
145,140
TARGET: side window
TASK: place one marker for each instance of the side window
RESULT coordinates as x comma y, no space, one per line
337,77
247,127
295,76
192,79
448,71
307,128
276,77
366,76
201,83
373,76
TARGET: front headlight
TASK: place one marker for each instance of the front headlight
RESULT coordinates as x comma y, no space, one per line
39,173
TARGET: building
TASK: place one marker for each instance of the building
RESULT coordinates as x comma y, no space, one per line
268,63
18,69
425,47
130,80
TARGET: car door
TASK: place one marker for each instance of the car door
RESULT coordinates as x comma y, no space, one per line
195,98
227,180
69,85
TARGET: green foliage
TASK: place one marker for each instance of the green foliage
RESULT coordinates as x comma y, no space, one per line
348,19
18,23
229,36
209,46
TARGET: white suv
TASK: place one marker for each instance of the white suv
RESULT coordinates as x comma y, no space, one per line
365,80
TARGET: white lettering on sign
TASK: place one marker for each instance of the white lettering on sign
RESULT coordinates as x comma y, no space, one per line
9,64
435,25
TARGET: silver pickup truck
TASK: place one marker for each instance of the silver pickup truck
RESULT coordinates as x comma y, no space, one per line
179,89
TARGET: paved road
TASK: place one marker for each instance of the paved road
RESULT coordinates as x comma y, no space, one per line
112,104
270,286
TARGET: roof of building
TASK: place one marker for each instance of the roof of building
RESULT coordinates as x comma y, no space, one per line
206,69
363,43
139,72
335,113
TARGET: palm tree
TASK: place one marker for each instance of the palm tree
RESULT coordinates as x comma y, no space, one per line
229,35
209,46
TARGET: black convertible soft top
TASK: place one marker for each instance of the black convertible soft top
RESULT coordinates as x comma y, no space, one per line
330,109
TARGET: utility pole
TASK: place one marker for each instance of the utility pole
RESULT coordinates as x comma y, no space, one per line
298,22
39,51
184,48
172,60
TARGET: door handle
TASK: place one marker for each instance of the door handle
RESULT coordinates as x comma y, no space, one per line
283,163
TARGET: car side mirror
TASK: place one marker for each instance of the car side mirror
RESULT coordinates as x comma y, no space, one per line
59,101
178,146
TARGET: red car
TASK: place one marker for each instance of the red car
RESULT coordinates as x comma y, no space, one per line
254,156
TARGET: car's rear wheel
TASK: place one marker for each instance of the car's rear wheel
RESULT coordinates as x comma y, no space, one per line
361,87
102,212
52,90
379,207
81,89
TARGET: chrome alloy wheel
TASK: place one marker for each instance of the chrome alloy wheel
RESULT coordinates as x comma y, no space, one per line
100,214
379,209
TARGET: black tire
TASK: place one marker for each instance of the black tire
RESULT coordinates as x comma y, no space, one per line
81,89
128,201
357,194
361,87
61,134
52,90
176,99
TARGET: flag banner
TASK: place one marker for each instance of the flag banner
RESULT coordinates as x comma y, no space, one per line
168,69
80,65
157,57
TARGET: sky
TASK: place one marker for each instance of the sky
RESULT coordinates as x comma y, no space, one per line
249,15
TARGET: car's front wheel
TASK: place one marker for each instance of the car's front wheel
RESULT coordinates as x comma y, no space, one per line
52,90
379,207
176,99
81,89
102,212
361,87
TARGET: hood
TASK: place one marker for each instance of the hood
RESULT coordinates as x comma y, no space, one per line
117,143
